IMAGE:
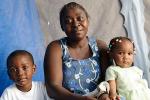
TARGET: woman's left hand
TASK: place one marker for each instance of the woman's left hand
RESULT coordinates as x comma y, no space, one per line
104,97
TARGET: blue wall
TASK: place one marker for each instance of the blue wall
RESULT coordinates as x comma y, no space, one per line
20,29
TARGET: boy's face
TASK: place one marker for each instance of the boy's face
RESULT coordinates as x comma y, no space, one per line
21,71
76,24
123,54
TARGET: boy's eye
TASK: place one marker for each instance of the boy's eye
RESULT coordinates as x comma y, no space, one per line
25,68
12,69
15,70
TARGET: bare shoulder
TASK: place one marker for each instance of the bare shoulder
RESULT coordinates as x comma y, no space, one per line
53,54
54,46
53,63
101,44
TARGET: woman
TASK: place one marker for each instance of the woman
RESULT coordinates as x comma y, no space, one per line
74,64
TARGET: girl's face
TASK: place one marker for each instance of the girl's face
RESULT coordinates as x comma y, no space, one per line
76,24
123,54
21,72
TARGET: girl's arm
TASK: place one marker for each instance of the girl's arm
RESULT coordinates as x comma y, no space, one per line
54,75
112,92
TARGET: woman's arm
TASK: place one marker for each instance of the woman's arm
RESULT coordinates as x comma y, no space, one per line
54,75
104,57
104,62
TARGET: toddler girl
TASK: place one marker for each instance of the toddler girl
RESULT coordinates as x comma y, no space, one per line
124,78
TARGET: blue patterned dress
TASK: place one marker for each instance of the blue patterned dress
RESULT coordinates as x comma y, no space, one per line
80,76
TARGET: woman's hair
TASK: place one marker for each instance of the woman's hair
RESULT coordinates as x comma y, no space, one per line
66,7
114,42
16,53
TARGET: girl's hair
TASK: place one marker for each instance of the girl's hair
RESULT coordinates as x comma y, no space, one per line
16,53
65,9
114,42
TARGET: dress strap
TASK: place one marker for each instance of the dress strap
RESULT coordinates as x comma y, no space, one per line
93,45
65,52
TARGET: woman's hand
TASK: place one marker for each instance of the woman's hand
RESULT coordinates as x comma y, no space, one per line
104,97
90,98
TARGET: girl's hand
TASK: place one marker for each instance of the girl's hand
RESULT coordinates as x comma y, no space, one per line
115,98
118,97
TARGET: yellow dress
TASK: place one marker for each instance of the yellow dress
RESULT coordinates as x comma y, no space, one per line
129,82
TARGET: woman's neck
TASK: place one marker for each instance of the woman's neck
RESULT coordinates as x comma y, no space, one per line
78,43
79,49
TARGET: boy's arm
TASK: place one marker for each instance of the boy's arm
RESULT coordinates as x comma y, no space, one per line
4,95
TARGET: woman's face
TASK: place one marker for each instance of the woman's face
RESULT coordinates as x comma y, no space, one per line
76,24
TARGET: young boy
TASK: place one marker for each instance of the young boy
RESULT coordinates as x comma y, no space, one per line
20,68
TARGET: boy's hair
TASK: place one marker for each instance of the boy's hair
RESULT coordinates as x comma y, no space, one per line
114,42
16,53
65,9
